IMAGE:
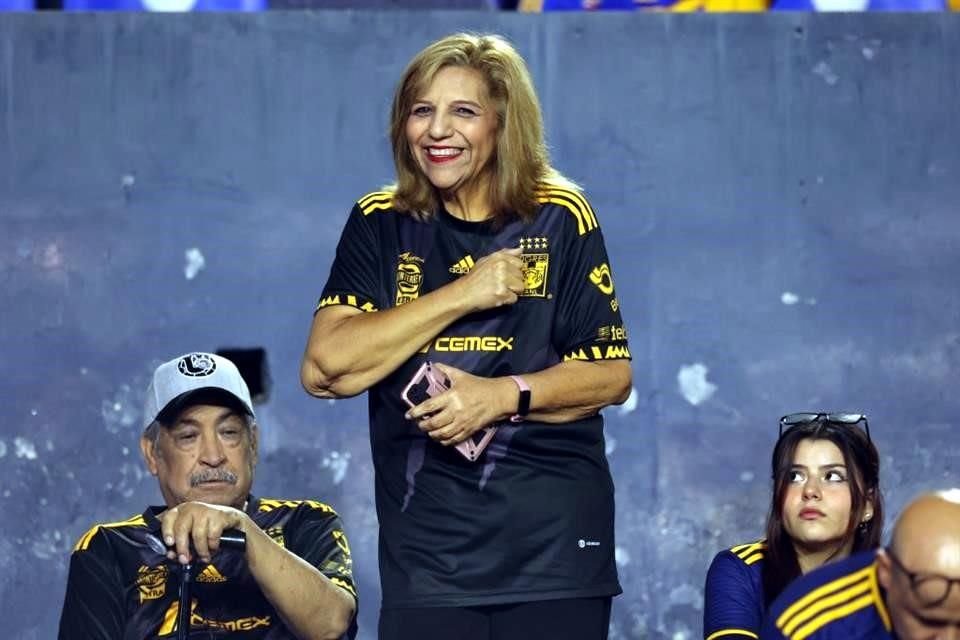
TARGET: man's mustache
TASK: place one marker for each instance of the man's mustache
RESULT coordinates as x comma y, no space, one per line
213,475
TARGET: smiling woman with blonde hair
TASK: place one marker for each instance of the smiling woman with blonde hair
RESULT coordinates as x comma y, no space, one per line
475,301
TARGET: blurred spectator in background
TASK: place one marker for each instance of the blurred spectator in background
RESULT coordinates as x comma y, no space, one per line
682,6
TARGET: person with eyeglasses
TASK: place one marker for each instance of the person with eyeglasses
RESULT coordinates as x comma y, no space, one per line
907,591
826,504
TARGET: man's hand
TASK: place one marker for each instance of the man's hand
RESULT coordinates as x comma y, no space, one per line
471,403
199,523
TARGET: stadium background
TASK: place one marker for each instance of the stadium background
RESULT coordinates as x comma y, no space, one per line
778,193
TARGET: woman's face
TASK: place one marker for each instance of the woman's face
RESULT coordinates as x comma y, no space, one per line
452,130
817,502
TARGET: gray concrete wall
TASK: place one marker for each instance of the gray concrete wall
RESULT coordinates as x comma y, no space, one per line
778,192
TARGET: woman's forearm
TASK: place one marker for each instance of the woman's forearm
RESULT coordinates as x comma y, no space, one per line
349,351
577,389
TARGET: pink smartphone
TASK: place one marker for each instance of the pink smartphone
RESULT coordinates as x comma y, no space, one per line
427,382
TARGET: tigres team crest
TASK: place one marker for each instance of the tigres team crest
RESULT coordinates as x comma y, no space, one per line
535,266
409,278
151,582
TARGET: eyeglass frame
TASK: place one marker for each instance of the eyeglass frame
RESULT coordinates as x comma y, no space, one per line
832,417
915,576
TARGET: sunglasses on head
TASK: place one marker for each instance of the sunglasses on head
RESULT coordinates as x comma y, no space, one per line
850,419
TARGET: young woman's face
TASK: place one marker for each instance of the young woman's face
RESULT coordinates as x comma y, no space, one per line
817,502
452,130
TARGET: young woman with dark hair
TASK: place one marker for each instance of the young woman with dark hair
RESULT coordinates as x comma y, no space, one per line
826,504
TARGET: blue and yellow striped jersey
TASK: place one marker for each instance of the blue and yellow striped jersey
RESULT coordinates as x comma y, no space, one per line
839,601
733,595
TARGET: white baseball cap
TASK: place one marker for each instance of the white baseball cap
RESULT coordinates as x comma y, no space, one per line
177,381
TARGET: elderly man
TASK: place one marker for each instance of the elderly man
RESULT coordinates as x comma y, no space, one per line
909,591
293,580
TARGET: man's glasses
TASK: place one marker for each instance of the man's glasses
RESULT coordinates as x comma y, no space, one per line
930,588
793,419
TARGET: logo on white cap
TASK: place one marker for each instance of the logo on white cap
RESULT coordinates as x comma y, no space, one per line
197,365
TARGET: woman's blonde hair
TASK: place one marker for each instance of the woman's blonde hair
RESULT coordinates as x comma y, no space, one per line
521,163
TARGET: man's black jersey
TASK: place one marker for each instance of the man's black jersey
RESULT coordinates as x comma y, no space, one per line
532,518
120,587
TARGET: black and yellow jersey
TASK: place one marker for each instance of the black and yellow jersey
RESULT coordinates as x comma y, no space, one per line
839,601
532,519
733,596
120,587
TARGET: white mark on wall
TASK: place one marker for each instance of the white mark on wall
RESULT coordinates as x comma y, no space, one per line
49,545
746,476
620,555
49,445
694,386
630,405
195,262
52,257
338,464
127,181
824,70
871,49
3,452
790,298
120,412
23,448
611,445
34,413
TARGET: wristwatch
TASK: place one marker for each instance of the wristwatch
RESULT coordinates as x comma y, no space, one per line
523,405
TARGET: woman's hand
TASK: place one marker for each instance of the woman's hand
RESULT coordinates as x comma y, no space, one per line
471,403
495,280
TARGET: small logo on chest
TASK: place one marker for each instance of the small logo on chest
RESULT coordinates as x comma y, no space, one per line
409,277
151,582
463,265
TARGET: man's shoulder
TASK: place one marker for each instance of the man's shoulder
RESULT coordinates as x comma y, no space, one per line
282,505
832,601
98,532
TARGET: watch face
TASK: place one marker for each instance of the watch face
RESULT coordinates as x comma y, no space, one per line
524,406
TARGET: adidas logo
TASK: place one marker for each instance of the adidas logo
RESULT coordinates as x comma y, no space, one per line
210,574
463,266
